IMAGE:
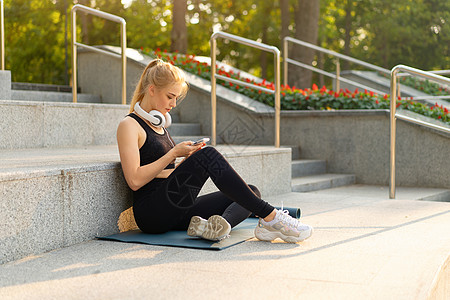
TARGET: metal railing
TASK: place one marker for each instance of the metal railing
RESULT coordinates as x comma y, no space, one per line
123,46
338,56
337,76
276,92
394,115
2,32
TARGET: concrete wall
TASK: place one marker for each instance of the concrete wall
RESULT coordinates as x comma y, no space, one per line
102,75
352,142
44,124
44,212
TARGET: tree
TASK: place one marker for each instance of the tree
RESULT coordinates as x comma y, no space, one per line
306,29
179,36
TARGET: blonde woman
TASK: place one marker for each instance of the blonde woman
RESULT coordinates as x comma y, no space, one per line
166,195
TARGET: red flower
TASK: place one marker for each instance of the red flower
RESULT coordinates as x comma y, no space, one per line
385,96
323,89
315,87
377,102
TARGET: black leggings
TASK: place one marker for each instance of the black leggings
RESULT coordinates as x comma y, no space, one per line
175,201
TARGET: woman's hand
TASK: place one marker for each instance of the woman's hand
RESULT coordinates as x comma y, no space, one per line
186,149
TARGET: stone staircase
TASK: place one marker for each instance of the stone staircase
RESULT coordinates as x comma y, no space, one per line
310,175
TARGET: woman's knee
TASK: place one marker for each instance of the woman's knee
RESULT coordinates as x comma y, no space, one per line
255,190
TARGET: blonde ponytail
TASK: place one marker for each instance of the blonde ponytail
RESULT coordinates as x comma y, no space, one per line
159,74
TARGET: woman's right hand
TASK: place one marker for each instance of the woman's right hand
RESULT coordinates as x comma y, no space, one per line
185,149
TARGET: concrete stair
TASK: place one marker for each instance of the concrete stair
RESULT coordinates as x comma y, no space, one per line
310,175
49,93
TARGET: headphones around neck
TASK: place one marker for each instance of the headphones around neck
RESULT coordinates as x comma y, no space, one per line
155,117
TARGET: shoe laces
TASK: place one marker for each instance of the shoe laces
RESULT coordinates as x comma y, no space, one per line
286,218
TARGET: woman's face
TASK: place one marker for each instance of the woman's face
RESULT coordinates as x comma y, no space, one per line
166,98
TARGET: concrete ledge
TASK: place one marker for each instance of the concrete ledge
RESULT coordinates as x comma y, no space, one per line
5,85
56,197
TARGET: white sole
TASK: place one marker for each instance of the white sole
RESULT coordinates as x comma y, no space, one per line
267,236
216,228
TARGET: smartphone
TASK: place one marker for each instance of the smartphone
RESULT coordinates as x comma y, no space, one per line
203,140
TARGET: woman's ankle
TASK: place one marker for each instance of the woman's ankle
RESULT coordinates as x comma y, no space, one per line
271,216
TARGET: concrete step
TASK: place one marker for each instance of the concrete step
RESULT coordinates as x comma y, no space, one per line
295,150
306,167
56,197
185,129
320,182
51,96
28,86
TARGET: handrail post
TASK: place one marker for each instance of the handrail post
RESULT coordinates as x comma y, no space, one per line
2,25
276,91
277,98
74,56
123,47
338,74
393,107
285,63
213,92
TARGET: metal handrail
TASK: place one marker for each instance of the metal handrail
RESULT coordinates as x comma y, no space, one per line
123,46
394,115
276,92
2,32
338,78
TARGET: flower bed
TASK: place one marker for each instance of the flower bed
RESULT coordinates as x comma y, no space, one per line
293,98
424,85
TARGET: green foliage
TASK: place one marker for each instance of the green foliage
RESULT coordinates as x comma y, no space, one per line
385,33
34,41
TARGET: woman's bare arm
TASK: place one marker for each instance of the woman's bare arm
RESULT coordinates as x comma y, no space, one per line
136,175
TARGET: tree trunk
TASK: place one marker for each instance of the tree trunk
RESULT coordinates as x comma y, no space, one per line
348,27
306,29
85,22
179,36
285,18
263,55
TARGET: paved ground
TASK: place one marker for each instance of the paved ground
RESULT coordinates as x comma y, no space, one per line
365,246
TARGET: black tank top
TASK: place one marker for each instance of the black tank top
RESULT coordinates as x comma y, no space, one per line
155,146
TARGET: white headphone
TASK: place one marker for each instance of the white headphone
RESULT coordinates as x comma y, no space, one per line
155,117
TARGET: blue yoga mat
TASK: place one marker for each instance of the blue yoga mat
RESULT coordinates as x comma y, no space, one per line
238,234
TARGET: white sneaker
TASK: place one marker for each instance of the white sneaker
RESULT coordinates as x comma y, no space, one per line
283,226
216,228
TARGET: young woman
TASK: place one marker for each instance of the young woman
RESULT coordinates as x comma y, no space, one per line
166,195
